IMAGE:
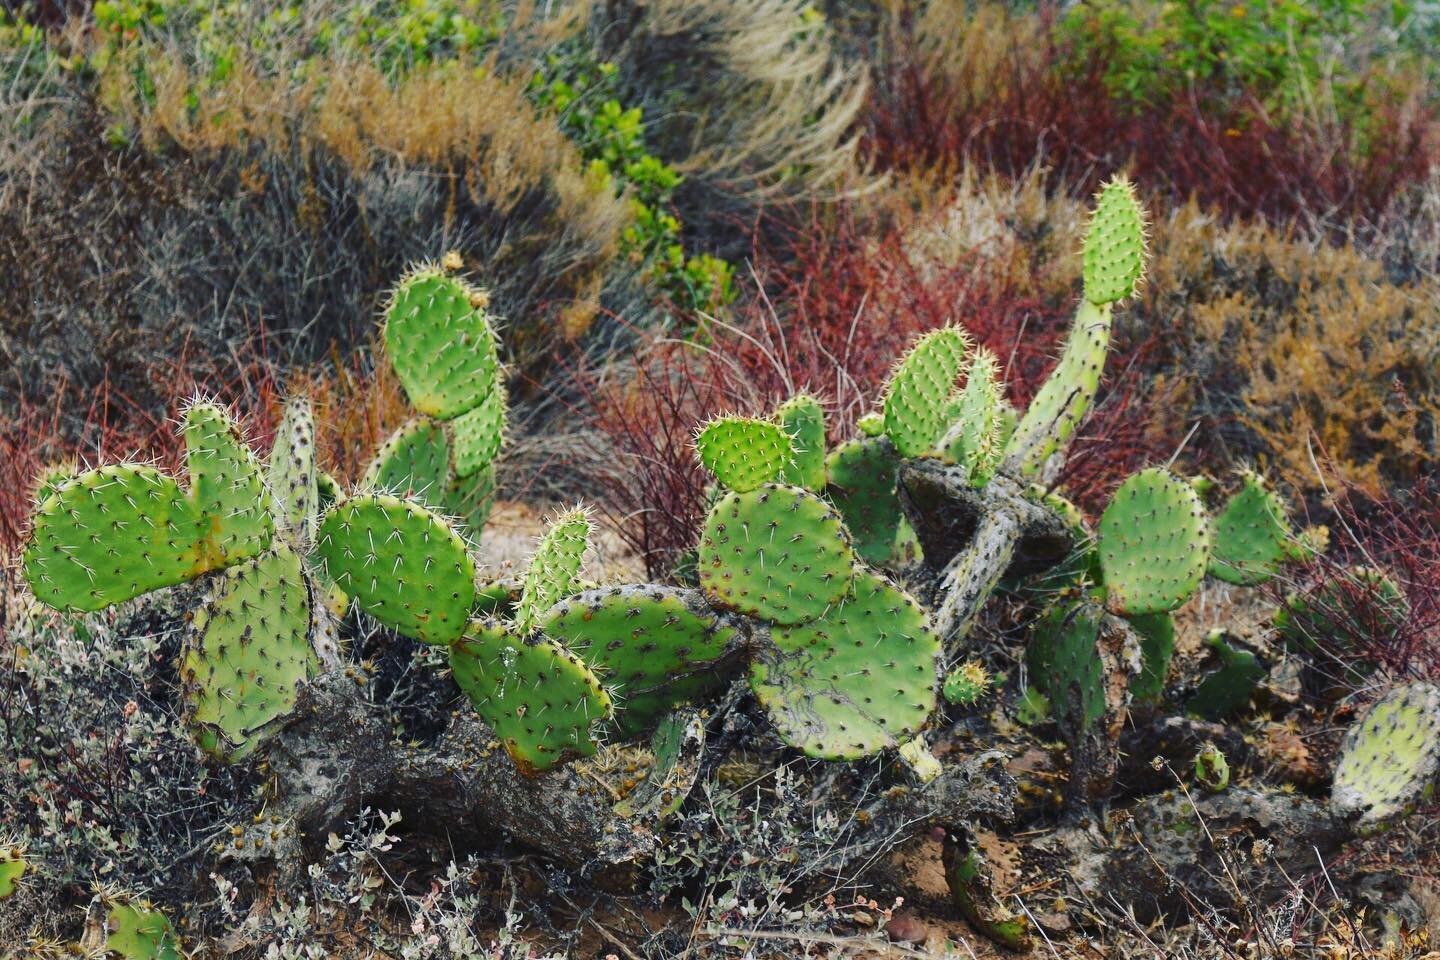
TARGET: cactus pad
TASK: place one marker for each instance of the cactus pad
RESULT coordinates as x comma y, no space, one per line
1332,614
653,646
13,866
1390,758
413,462
858,680
916,397
141,933
540,700
291,473
1252,536
440,343
1228,689
743,453
1114,244
861,476
249,652
972,439
803,419
1157,647
1154,543
225,485
779,553
402,564
470,499
966,684
477,434
554,568
1065,666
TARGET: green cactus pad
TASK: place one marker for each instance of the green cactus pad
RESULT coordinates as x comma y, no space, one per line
743,453
654,647
1252,536
1154,543
291,471
249,652
860,481
440,343
477,434
916,397
858,680
1364,602
779,553
1064,664
51,479
141,933
226,486
1389,760
803,419
327,490
13,867
540,699
402,564
972,440
470,499
554,568
1227,690
966,684
871,425
1055,414
413,462
1157,646
1114,244
677,746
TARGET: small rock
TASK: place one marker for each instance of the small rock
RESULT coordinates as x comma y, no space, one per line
904,928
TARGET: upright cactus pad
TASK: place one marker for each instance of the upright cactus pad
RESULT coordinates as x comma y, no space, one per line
139,932
779,553
413,462
860,481
653,646
803,420
1114,244
916,397
1252,536
743,453
1157,646
1064,665
402,564
226,486
1390,758
291,472
554,568
1055,414
470,499
249,652
13,867
858,680
478,433
441,343
51,479
972,440
966,684
540,700
1227,690
1154,543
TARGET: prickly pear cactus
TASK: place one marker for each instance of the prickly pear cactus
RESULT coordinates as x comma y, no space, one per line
743,453
226,485
1154,544
860,481
803,420
248,653
400,563
1228,689
13,867
413,462
1390,758
478,433
916,399
1332,613
1157,646
1063,664
540,699
1252,536
966,684
554,568
654,647
470,499
139,932
1114,253
778,553
857,680
973,438
440,342
291,472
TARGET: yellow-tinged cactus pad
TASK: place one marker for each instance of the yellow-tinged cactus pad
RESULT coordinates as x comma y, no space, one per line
226,485
413,462
441,343
803,420
138,932
858,680
778,553
478,433
1114,244
1252,535
541,700
916,399
13,867
554,569
248,653
860,481
402,564
1390,758
743,453
1154,543
966,684
653,646
291,472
